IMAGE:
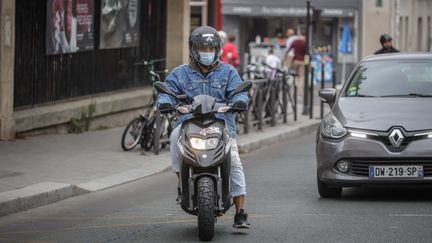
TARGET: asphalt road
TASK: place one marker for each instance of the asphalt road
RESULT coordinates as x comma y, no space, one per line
283,206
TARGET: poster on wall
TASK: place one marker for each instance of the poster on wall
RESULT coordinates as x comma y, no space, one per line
69,26
119,27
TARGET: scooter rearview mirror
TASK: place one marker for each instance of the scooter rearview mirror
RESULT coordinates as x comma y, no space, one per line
244,86
162,88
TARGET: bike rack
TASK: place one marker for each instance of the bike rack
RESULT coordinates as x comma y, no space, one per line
269,102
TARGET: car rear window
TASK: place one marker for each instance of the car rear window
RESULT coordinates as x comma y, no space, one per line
404,78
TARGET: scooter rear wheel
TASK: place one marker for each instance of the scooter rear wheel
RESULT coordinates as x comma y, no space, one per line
206,208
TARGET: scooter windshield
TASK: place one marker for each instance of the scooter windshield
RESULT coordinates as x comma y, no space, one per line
203,104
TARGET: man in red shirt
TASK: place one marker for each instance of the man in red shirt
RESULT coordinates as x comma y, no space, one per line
299,54
289,56
230,53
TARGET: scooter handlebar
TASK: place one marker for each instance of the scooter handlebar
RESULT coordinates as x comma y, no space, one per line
218,108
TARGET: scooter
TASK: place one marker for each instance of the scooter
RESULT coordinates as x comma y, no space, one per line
205,157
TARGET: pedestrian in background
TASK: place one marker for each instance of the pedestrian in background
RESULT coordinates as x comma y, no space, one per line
386,43
298,46
224,37
289,56
279,39
230,52
273,62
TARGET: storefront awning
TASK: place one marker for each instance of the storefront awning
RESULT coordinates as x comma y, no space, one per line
281,11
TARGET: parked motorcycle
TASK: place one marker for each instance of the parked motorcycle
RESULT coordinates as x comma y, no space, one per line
205,157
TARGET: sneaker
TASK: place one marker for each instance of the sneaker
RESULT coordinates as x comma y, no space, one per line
178,199
240,220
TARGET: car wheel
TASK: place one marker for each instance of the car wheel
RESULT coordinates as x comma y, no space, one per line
328,192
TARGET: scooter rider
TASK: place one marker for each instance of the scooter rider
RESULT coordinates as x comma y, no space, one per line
206,74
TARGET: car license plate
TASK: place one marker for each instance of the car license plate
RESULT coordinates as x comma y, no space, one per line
396,171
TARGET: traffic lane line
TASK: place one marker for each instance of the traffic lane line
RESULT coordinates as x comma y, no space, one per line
191,220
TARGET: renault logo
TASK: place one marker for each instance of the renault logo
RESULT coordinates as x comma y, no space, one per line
396,138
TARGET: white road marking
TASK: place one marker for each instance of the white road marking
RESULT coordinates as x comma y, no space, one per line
410,215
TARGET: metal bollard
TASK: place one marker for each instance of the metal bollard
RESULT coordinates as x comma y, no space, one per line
157,132
334,78
246,121
295,102
311,94
306,90
284,98
273,87
322,87
260,109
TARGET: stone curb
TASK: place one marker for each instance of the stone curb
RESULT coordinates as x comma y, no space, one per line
123,177
35,196
277,136
50,192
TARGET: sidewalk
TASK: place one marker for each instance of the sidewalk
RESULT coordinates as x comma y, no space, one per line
41,170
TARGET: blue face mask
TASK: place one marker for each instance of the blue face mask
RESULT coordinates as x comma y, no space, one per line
206,58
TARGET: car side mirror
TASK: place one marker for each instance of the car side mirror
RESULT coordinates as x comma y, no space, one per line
328,95
243,87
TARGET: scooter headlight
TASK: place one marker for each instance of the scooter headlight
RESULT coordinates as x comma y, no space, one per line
203,144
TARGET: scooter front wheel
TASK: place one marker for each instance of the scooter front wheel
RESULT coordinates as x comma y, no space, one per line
206,208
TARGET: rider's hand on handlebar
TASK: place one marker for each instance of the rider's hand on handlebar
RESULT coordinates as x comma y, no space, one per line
239,106
165,108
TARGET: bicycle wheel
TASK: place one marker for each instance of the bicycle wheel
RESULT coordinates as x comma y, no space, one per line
145,137
148,141
132,133
159,129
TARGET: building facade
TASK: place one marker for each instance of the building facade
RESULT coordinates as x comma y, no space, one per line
248,19
407,21
47,76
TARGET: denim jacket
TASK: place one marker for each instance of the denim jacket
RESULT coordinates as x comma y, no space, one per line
219,83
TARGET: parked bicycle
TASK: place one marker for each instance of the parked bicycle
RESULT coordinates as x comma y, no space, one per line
150,129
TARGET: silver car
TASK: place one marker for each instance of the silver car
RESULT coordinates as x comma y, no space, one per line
379,130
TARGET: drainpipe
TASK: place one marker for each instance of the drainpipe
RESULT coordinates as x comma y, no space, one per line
7,65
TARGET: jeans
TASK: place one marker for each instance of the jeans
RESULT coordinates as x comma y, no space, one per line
237,177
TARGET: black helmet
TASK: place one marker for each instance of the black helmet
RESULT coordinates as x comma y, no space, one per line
201,37
384,38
